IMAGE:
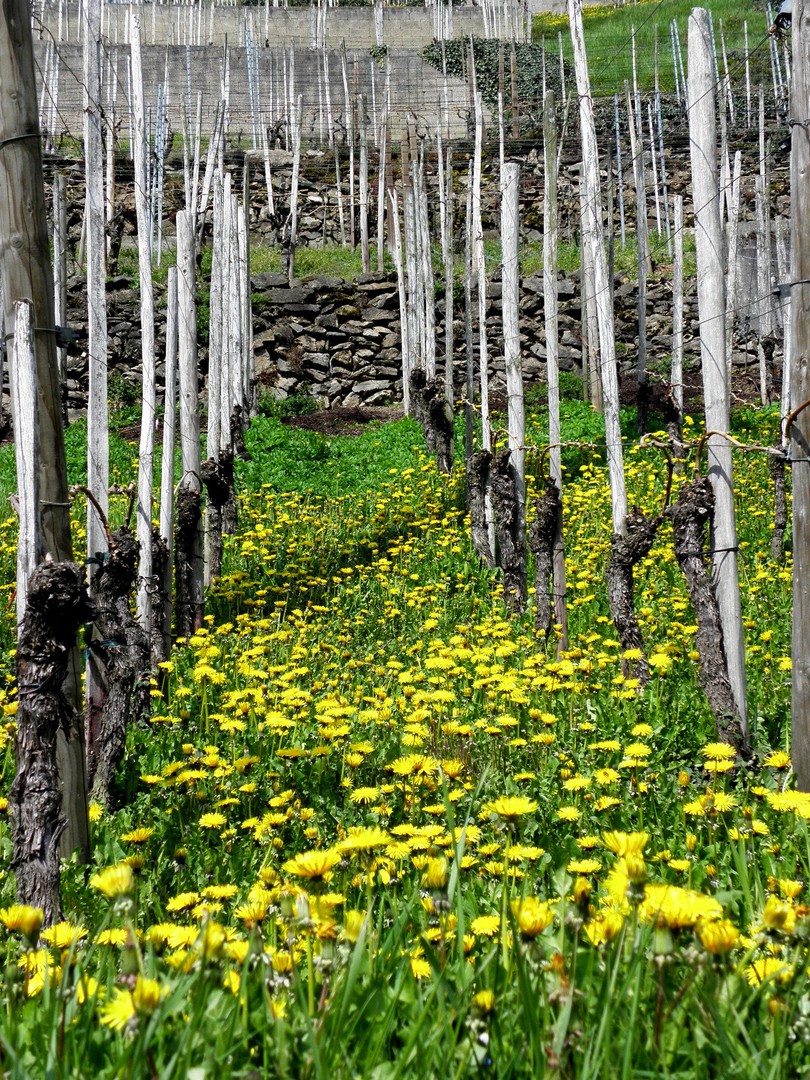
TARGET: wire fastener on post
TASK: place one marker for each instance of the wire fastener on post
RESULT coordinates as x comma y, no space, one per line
19,138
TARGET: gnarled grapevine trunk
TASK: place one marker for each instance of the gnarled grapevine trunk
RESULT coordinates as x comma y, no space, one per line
217,475
429,406
689,514
477,480
547,509
161,600
188,610
776,465
124,648
57,605
509,530
625,553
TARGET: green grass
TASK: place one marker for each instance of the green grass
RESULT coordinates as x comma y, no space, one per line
355,647
608,37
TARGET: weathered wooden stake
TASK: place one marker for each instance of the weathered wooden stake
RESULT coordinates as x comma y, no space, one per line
167,459
712,310
188,530
145,452
22,377
26,269
607,340
550,309
800,391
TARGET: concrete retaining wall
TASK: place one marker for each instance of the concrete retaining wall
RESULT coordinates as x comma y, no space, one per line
416,88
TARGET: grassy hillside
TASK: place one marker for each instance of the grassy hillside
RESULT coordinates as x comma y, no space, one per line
609,36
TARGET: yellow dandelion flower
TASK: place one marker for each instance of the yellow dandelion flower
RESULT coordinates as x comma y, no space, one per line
778,915
212,820
484,1000
112,937
182,901
716,766
253,912
364,840
723,802
364,795
583,866
718,936
777,759
718,751
604,928
435,874
509,807
485,925
137,836
768,968
420,968
63,934
22,919
622,844
114,881
313,864
532,915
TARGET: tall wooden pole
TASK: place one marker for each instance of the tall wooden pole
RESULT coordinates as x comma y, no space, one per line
189,401
516,419
712,312
550,308
607,337
98,463
147,440
22,373
800,389
26,269
167,458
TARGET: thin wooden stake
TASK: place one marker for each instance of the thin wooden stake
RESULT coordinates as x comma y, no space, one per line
712,309
551,319
23,387
607,339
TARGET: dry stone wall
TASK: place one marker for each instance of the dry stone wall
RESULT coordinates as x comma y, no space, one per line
339,342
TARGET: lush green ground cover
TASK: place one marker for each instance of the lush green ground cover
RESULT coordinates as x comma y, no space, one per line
609,32
376,828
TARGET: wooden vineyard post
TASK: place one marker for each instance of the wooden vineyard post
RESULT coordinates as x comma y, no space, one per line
60,273
23,387
733,235
516,421
364,250
427,294
145,451
167,458
480,267
188,527
800,391
448,283
513,554
404,328
607,339
98,464
676,373
26,271
550,308
712,313
633,535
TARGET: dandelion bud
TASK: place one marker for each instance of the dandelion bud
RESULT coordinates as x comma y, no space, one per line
582,892
635,867
435,875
